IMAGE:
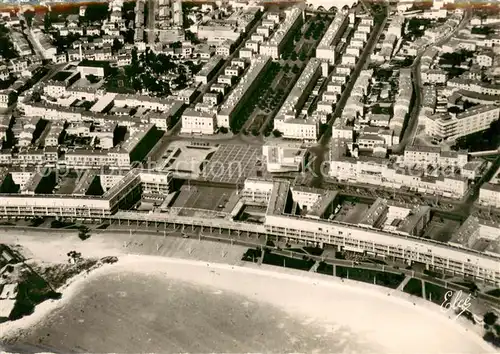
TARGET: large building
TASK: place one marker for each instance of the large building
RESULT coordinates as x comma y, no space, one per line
43,44
284,158
327,47
489,193
274,46
217,31
433,156
382,172
451,126
289,120
385,231
196,122
123,193
209,70
236,99
93,67
402,103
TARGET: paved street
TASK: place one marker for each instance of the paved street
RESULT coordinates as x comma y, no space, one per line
151,21
411,128
320,149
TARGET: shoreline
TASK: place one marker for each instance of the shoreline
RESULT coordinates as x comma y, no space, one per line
111,245
157,265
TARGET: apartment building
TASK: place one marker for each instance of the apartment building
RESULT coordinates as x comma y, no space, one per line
398,244
433,156
274,46
125,191
44,44
434,76
288,120
284,158
489,193
451,126
196,122
236,99
486,58
326,48
355,103
474,85
403,99
381,172
58,83
209,70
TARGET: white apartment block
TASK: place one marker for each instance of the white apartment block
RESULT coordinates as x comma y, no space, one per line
286,120
92,158
381,172
489,195
78,205
486,59
403,98
349,60
363,239
241,92
448,126
284,158
419,155
209,70
300,129
476,86
396,26
43,44
153,103
355,103
195,122
274,46
327,45
434,76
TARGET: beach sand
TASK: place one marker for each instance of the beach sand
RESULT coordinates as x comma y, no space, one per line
158,304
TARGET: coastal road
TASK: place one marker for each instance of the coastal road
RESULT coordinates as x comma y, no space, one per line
254,241
411,128
320,149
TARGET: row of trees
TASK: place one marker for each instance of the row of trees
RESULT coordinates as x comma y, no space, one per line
7,50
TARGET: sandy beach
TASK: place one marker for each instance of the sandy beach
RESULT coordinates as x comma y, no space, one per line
164,304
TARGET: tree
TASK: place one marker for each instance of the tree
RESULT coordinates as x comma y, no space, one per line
490,318
134,56
36,97
223,130
293,56
303,56
47,22
295,69
117,45
255,131
92,78
286,68
277,133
